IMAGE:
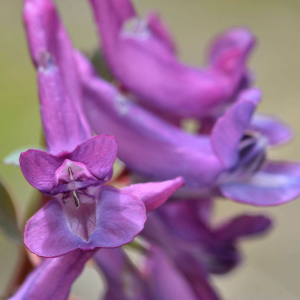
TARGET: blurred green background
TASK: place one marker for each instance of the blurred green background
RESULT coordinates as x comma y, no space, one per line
272,268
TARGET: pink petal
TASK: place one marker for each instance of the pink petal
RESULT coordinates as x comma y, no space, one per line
39,169
154,194
98,154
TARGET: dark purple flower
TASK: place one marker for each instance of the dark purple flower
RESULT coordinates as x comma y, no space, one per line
231,161
141,54
186,232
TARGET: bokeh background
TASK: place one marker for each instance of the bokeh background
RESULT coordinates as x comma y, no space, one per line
272,268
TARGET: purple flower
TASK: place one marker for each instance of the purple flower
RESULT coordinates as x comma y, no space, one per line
84,213
230,162
53,278
184,229
159,279
141,54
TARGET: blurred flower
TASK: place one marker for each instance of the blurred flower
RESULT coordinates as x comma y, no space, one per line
230,162
84,214
141,54
53,278
184,230
159,279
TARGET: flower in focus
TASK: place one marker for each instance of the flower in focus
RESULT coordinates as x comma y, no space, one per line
84,214
141,54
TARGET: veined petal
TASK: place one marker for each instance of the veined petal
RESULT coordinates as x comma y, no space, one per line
53,278
230,128
39,169
62,125
120,217
275,184
47,36
98,154
275,130
154,194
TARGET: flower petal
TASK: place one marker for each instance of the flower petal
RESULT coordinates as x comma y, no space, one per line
98,154
275,130
243,226
275,184
62,125
120,217
230,50
158,26
230,128
53,278
39,169
47,35
154,194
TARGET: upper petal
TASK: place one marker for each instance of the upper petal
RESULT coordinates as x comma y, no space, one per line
120,217
154,194
47,36
98,154
230,128
39,169
275,184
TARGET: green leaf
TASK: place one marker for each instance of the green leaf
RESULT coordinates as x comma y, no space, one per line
8,218
13,157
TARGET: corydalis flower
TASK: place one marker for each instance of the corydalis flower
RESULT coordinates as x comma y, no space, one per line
158,78
230,162
84,213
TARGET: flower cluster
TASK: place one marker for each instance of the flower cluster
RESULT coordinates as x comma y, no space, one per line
137,118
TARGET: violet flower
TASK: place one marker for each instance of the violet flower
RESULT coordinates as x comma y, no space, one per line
141,54
84,214
53,278
186,233
159,279
230,162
